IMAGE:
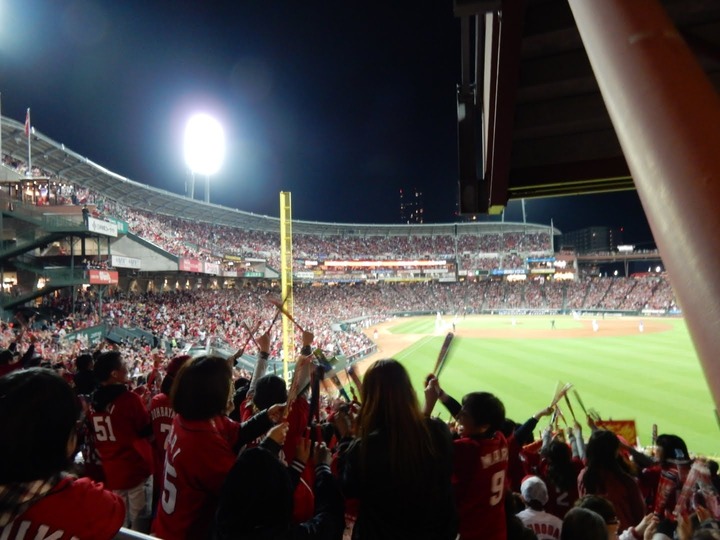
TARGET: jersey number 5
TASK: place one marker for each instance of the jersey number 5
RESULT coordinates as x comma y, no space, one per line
103,428
169,494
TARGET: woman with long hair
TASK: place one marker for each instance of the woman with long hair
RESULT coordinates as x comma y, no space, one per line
399,466
560,472
605,476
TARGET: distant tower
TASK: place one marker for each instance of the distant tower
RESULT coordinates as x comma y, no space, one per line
411,206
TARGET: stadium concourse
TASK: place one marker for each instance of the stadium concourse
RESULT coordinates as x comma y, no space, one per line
138,388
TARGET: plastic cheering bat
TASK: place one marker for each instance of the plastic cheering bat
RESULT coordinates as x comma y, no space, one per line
354,376
582,405
250,337
567,401
560,391
281,309
442,355
561,416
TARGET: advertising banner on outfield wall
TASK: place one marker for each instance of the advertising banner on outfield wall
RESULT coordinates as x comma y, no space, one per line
190,265
103,277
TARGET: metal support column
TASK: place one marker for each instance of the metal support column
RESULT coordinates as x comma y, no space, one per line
667,117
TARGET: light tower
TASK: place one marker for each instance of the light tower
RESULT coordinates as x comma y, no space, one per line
204,149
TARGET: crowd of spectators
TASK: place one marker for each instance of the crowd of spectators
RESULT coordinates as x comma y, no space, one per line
175,320
208,241
378,466
217,310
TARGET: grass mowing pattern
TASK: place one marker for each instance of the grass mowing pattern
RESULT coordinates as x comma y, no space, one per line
651,377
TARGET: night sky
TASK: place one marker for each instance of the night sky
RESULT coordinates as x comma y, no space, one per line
341,103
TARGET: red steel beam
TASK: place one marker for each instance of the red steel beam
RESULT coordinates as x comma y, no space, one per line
667,118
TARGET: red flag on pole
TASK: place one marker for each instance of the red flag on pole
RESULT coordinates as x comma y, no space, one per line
27,123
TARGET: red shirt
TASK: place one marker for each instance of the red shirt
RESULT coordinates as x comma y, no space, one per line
560,501
479,469
198,457
73,510
161,416
126,455
624,492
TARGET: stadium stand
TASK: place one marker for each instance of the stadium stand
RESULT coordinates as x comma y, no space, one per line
152,316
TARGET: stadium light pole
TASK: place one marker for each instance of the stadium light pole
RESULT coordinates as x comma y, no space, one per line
204,149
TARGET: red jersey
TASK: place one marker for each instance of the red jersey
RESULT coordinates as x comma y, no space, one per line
479,469
75,509
161,416
623,491
559,500
118,432
199,455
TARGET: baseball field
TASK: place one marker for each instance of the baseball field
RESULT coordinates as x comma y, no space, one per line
626,368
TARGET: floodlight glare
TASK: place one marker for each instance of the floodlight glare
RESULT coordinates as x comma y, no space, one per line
204,144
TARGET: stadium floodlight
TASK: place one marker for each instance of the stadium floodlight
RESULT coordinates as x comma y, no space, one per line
204,148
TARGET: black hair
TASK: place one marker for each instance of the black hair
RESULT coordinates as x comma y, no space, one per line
508,427
241,382
166,384
6,356
263,510
106,363
561,471
201,388
38,414
83,362
673,447
602,450
485,408
583,524
600,505
269,390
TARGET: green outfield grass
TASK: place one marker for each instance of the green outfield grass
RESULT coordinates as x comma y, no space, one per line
651,377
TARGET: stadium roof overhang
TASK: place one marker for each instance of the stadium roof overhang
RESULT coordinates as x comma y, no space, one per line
69,166
531,119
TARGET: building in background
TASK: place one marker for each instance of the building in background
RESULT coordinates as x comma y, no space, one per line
592,240
411,206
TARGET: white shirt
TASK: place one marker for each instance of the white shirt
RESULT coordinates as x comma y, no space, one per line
545,526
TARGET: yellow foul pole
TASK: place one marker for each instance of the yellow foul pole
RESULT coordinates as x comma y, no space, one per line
286,262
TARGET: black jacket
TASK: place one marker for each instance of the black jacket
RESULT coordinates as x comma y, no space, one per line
256,501
391,509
